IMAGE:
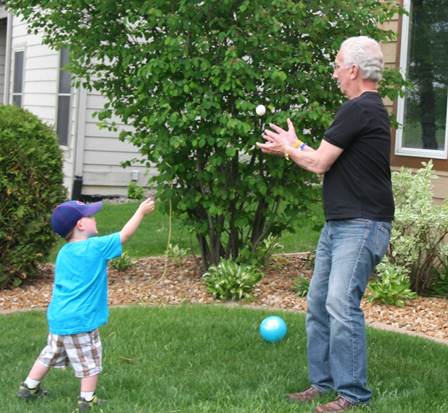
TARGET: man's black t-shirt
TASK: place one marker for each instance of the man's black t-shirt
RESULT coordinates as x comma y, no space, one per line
358,184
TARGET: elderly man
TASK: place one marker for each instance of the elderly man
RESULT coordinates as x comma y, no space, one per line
359,208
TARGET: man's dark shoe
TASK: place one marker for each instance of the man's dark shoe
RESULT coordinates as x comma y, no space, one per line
305,396
29,394
85,406
338,405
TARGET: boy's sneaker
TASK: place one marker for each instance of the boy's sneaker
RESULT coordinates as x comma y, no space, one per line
84,405
28,394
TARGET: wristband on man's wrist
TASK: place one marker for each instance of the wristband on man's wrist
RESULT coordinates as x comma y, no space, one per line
297,143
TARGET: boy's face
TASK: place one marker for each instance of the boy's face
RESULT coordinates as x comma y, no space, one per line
88,226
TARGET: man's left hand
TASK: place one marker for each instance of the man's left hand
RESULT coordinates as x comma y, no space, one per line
278,139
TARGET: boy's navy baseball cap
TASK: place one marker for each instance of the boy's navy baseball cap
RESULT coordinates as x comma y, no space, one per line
66,215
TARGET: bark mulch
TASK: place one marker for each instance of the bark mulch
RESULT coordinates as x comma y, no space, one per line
147,283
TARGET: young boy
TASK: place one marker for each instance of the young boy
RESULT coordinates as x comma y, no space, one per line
78,305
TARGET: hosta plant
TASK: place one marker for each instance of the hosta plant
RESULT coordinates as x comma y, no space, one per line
231,281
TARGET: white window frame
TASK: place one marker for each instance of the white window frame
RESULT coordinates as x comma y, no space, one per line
399,149
69,121
13,67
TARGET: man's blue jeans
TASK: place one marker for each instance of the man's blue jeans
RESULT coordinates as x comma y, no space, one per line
346,255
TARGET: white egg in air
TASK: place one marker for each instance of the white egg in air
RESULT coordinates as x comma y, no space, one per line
261,110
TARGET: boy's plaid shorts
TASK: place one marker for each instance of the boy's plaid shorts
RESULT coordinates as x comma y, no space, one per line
81,351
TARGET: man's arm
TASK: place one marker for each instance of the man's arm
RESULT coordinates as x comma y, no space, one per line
318,161
284,143
131,226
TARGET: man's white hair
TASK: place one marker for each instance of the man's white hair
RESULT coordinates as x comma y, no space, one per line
366,53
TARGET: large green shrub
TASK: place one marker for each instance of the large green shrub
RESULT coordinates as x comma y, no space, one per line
187,75
30,187
418,240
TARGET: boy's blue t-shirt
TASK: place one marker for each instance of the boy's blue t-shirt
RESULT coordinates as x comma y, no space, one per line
79,300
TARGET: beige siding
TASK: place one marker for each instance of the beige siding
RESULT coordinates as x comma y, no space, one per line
441,186
390,54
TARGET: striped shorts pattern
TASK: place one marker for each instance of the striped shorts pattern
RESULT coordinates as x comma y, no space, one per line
82,351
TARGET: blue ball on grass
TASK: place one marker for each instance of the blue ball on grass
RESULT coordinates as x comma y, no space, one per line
273,329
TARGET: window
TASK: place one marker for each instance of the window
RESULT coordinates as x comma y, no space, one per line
17,87
64,98
422,112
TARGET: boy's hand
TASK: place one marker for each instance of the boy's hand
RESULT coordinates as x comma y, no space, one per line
147,206
144,208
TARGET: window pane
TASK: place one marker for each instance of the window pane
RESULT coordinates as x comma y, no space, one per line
64,56
64,76
64,82
18,72
17,100
62,127
426,104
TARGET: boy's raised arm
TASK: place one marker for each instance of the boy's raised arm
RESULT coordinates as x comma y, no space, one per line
146,207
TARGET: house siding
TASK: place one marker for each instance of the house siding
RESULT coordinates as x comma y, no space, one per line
94,154
40,82
390,55
104,153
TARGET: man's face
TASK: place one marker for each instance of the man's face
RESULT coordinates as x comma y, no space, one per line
343,74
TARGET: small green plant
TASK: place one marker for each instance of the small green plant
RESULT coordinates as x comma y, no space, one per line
301,286
135,191
231,281
176,253
392,287
268,247
262,255
122,263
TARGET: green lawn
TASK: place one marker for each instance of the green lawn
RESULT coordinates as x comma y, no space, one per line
210,359
151,237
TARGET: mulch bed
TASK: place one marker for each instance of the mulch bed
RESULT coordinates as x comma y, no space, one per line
147,283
